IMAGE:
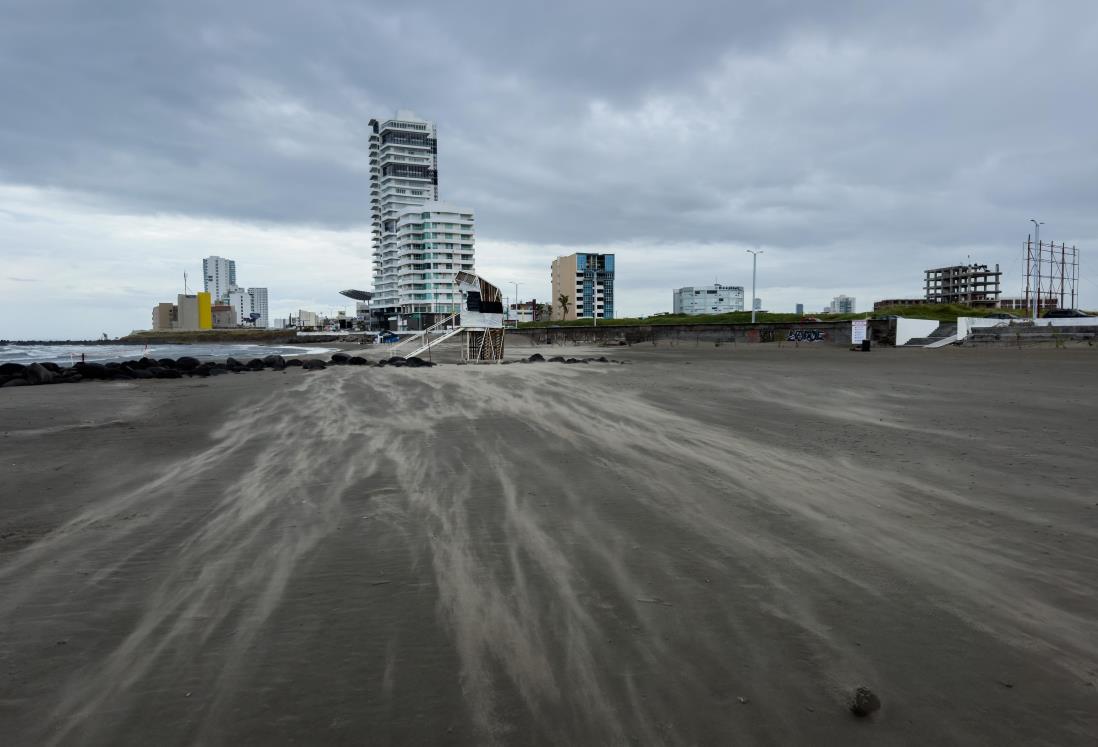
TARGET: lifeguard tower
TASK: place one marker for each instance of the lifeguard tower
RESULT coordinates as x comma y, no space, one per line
480,321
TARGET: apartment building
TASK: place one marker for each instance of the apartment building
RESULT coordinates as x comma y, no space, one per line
587,283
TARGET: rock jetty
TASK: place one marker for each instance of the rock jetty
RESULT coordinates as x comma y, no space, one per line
35,374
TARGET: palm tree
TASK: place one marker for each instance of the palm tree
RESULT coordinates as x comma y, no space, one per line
565,301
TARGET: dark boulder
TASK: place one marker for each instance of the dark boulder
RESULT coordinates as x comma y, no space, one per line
92,370
139,373
314,364
536,358
602,359
357,360
166,363
117,374
557,359
13,382
147,363
113,365
255,364
167,373
864,702
294,362
12,369
51,366
341,359
187,363
230,362
36,373
218,370
277,362
575,360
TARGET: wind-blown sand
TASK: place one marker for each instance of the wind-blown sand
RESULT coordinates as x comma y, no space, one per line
552,554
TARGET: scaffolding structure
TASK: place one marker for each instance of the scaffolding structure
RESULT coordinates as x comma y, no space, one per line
1052,274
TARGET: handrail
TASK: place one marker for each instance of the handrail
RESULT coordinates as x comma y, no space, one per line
423,333
431,343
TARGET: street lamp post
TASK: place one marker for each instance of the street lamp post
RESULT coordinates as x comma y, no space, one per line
518,311
754,268
1035,266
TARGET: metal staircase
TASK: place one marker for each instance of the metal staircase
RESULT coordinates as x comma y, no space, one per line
421,336
431,343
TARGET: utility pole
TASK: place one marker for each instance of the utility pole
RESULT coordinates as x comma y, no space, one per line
1035,268
754,267
518,312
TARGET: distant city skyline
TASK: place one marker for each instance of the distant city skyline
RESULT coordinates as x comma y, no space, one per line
888,139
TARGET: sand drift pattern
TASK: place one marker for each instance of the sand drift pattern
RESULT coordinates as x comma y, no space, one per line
600,567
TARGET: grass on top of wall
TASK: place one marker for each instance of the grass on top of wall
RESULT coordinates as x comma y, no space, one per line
939,312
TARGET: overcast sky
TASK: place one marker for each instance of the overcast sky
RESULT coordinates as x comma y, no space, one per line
856,143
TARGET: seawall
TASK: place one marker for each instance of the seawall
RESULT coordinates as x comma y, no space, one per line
814,333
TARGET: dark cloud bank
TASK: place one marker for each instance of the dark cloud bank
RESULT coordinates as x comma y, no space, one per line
857,142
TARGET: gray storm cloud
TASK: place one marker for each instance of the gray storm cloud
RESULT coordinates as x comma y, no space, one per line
839,135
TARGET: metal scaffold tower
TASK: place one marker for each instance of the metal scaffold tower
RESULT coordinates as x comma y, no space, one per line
1052,273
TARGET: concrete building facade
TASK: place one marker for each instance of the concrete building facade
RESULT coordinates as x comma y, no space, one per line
707,299
434,241
218,277
971,285
164,316
223,316
403,176
258,298
194,312
588,282
843,305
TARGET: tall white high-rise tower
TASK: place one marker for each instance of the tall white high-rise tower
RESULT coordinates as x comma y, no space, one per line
416,253
218,277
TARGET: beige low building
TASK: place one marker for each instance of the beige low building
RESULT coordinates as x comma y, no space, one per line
223,316
164,316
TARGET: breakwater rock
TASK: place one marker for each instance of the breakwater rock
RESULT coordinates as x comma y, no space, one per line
36,374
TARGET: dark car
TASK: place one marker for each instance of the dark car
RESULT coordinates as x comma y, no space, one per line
1065,314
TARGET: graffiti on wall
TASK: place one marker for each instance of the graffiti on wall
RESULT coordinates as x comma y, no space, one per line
807,335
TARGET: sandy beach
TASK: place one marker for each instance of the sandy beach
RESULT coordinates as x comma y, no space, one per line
701,546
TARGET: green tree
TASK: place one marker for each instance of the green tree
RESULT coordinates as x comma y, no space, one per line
564,300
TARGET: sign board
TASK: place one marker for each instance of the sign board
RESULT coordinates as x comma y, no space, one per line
859,331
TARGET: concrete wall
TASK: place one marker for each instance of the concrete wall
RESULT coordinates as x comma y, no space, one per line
965,324
907,329
801,333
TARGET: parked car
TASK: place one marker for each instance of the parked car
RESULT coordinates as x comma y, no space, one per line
1065,314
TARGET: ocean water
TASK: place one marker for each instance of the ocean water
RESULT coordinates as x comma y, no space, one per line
67,354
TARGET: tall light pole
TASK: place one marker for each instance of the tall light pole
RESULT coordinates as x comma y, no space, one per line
754,267
1035,266
518,312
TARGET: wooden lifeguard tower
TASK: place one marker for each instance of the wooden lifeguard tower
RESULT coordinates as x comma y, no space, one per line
480,321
